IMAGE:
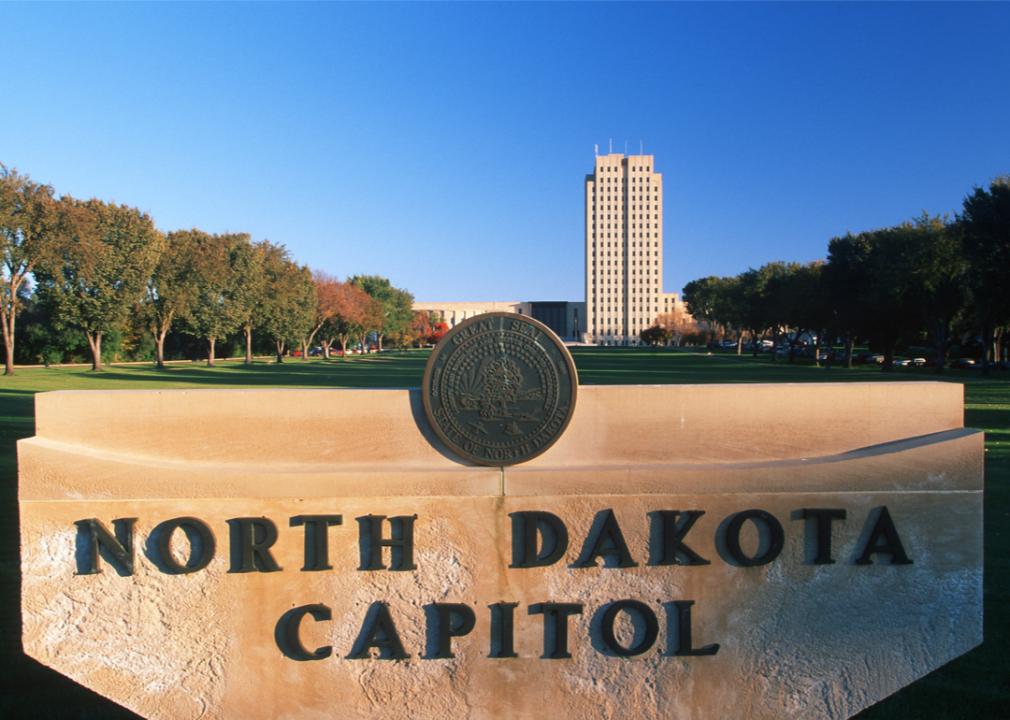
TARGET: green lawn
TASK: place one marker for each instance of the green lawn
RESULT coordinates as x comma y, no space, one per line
975,687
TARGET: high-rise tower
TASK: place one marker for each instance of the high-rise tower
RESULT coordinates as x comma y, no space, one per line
624,248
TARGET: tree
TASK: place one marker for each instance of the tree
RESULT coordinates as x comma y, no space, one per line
171,290
717,301
879,273
289,308
395,305
677,324
655,336
27,216
421,327
351,308
701,297
985,227
795,299
219,305
438,331
756,301
374,315
940,275
250,293
103,258
847,286
426,328
39,340
327,306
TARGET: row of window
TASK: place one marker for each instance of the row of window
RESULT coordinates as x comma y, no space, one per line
643,285
632,253
615,198
615,168
617,263
635,180
634,216
617,225
633,235
647,244
617,309
615,194
633,271
624,206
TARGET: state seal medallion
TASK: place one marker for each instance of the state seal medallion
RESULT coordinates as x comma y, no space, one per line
499,388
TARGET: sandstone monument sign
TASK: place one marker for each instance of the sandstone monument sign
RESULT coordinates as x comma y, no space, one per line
713,551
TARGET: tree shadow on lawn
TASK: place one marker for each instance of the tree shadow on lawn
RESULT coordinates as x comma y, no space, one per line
285,375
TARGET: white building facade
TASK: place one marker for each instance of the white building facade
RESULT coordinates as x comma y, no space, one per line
624,249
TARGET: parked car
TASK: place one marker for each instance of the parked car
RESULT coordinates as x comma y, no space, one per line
867,358
963,364
919,361
901,362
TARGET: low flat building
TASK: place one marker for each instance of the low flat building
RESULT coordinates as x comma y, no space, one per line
565,318
454,313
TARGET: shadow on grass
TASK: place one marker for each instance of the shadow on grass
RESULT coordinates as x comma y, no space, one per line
351,373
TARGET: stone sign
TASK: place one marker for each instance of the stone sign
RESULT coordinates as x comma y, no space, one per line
715,551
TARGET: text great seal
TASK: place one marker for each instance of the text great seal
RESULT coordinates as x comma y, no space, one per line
499,388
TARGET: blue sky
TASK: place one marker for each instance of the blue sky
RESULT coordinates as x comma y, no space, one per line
445,146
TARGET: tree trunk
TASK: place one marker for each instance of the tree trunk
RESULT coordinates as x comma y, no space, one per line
8,316
850,343
8,323
308,341
343,346
326,348
940,344
739,344
987,334
888,357
159,349
817,350
364,344
792,344
95,343
210,351
378,337
248,345
280,350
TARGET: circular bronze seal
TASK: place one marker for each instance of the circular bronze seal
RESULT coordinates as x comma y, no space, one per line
499,388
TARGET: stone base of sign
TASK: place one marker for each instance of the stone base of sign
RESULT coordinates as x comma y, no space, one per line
797,635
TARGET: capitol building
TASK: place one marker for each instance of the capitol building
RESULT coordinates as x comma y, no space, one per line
623,262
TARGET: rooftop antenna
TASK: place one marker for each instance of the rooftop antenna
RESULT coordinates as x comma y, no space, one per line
596,149
641,148
625,147
610,146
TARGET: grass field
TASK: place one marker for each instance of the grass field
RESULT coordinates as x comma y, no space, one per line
975,687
